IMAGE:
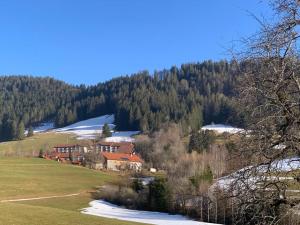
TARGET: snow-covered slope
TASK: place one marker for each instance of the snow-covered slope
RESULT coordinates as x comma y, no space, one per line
91,128
221,128
105,209
42,127
87,129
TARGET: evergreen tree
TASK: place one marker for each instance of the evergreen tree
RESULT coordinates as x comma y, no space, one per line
30,132
158,195
20,131
106,131
12,130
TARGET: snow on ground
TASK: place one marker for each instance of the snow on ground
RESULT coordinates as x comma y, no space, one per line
221,128
105,209
42,127
92,128
284,165
122,136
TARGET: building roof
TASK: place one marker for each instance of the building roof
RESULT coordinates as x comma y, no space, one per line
123,147
65,146
121,157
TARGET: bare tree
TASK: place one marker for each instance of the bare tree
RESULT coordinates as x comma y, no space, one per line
270,96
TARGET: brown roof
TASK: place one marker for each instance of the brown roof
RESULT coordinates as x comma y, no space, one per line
124,147
121,157
107,143
64,146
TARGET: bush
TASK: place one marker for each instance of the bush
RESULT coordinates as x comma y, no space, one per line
205,176
200,141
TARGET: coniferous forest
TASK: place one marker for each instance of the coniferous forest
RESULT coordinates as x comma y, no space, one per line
192,95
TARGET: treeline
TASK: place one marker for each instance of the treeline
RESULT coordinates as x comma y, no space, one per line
192,95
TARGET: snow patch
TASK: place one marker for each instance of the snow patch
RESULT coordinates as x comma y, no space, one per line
122,136
284,165
221,128
43,127
105,209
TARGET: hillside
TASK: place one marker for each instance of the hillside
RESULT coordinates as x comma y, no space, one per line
45,137
28,101
192,95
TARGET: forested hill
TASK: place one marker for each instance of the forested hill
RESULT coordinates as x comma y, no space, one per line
28,100
192,95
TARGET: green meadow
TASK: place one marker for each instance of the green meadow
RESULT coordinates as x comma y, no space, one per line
34,177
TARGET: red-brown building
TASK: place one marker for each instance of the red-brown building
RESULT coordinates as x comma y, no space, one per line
122,161
116,155
71,153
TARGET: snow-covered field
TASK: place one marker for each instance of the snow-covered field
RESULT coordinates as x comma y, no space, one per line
221,128
90,129
105,209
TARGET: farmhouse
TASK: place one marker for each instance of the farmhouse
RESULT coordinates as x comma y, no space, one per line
69,148
122,161
113,155
64,153
121,147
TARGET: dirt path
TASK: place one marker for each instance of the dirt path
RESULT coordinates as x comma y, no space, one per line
39,198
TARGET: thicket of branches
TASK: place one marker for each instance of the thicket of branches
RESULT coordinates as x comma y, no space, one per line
270,94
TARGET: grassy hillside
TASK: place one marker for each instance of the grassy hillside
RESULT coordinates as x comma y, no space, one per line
32,145
33,177
21,177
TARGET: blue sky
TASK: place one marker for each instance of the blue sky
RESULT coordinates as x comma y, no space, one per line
91,41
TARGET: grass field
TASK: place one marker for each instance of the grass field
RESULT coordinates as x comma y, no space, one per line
21,214
33,177
30,177
31,146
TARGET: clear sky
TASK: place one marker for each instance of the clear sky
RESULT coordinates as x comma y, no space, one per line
91,41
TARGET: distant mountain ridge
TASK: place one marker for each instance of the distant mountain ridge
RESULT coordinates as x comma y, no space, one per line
192,95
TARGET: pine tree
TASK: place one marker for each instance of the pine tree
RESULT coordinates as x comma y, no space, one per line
20,131
106,131
12,130
30,132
